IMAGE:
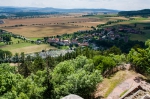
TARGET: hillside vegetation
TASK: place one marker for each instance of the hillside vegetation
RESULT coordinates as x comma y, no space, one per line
78,72
144,12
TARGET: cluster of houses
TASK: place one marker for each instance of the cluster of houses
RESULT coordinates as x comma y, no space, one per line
66,42
105,34
129,30
83,38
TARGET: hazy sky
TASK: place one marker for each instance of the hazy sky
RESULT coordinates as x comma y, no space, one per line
109,4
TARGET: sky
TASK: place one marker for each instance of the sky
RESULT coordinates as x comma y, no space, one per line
108,4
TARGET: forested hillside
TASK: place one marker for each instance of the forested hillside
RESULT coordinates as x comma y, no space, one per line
133,13
75,73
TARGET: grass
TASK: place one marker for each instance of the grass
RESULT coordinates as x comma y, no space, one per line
123,93
32,49
64,47
141,22
14,46
37,32
113,84
35,38
15,40
24,46
103,16
27,48
141,37
44,30
108,84
2,44
89,24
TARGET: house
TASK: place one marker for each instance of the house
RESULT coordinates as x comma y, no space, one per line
83,44
108,29
61,43
74,41
53,40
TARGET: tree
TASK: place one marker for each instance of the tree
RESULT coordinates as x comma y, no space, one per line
15,86
38,64
139,59
147,43
16,58
113,50
76,76
25,68
104,63
22,58
135,25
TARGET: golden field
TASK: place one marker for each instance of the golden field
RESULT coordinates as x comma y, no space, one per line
42,27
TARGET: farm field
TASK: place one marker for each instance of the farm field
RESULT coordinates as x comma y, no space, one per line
51,20
26,48
19,46
142,37
116,18
41,27
44,30
89,24
33,49
36,28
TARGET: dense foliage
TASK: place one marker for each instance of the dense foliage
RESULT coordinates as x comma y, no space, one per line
78,72
133,13
5,56
140,59
77,76
125,47
14,86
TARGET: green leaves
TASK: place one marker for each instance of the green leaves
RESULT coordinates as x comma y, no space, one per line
104,63
15,86
140,58
76,76
147,43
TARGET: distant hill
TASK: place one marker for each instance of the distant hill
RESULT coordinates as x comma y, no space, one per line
143,12
50,9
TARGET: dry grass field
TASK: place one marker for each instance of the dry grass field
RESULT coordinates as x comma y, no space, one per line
44,30
41,27
53,25
52,20
89,24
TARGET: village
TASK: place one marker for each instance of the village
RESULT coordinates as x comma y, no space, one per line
85,38
80,38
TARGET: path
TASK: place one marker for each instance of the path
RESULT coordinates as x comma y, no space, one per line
123,78
125,85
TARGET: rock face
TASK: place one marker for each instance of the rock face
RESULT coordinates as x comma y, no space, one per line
72,96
